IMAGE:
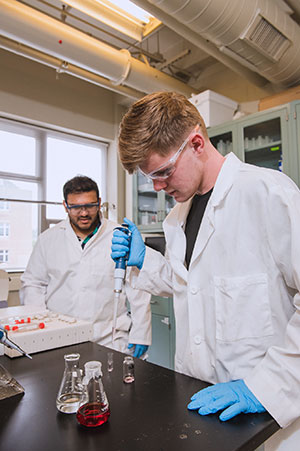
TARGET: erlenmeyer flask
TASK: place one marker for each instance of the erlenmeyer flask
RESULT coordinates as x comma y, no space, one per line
71,393
96,410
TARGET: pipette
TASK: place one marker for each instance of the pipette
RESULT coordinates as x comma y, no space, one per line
10,344
119,277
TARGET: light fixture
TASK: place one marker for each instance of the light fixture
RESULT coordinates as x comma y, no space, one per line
130,23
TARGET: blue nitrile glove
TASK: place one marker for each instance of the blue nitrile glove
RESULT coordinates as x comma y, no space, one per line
139,349
235,395
120,245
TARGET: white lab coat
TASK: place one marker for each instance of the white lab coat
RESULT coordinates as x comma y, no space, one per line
237,309
65,278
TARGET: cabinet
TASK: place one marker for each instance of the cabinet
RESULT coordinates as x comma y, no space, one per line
149,207
162,350
268,138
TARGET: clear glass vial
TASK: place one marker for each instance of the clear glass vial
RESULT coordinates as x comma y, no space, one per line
71,393
128,370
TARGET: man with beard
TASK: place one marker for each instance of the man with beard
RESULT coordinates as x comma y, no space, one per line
70,272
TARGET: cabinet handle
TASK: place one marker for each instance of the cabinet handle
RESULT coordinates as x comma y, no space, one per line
153,302
166,321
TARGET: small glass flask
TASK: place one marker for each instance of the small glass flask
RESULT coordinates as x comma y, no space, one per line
128,369
71,393
95,411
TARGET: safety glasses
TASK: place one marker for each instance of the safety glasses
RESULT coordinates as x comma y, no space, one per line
167,169
76,209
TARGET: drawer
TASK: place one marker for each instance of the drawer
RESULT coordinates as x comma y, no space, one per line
161,305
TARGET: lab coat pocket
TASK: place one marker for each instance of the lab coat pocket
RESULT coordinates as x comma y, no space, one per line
242,307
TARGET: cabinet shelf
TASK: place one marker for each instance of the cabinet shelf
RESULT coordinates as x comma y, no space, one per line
147,193
264,146
269,138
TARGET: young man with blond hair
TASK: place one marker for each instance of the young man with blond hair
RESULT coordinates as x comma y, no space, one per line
232,263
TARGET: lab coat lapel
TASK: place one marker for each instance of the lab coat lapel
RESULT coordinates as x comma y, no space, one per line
175,237
207,228
222,186
71,235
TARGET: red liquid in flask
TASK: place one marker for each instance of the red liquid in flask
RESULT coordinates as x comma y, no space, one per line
92,414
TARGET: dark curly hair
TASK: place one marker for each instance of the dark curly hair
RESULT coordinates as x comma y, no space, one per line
80,184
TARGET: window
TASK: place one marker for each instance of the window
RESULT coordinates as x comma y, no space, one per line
3,256
4,229
67,158
35,164
4,205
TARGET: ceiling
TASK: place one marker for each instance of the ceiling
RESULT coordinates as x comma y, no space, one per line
165,49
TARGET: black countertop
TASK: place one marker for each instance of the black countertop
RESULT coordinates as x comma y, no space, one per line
148,415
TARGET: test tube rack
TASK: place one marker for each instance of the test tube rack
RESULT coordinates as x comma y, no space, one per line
36,330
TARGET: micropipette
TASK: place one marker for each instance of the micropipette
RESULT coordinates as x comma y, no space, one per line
10,344
119,277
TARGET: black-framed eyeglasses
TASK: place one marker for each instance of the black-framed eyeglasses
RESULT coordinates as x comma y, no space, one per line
75,209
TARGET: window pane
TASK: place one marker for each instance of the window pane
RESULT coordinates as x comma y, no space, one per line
19,224
17,153
65,160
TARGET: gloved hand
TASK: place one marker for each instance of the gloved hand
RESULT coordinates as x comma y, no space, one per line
235,395
120,245
139,349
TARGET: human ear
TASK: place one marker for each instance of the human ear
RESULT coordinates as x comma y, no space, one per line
65,205
197,142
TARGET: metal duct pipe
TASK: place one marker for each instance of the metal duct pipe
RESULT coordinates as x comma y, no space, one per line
256,33
63,67
204,44
295,5
34,29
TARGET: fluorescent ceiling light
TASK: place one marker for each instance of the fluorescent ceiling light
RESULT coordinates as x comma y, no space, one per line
121,15
132,9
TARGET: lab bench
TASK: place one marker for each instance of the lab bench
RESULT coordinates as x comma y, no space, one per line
149,414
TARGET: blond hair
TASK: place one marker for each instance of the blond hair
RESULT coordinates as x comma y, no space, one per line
156,123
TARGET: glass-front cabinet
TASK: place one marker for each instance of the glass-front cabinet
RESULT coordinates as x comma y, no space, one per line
150,207
269,138
265,139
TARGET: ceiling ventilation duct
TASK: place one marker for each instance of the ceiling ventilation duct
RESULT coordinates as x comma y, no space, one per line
32,28
257,34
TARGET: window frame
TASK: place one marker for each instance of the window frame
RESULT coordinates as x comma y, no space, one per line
4,253
5,226
40,134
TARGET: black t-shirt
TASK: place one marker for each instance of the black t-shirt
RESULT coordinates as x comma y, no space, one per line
193,222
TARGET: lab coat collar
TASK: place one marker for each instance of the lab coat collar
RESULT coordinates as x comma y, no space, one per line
222,187
66,224
225,179
175,222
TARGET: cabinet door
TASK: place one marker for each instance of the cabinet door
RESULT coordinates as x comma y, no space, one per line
167,202
162,350
149,207
159,351
224,138
146,203
265,142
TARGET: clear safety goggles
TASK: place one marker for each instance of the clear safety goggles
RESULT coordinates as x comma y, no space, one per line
76,209
167,169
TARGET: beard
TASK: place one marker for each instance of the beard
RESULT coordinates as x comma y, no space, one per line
85,229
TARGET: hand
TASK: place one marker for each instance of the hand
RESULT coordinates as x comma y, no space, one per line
235,395
122,244
139,349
